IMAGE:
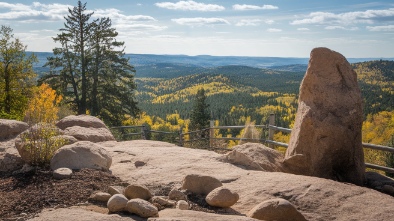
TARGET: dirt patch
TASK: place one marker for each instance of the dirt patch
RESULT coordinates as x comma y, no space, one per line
25,194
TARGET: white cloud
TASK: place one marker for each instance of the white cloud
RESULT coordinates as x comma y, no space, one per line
381,28
190,6
253,7
274,30
141,27
249,22
341,28
269,21
302,29
366,17
36,12
201,21
117,16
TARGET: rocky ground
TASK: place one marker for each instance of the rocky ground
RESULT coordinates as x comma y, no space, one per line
25,194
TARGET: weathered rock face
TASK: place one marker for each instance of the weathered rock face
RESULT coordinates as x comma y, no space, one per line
80,120
11,128
89,134
255,156
326,138
276,209
83,154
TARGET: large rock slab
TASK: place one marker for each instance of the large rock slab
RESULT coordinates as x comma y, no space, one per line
83,154
11,128
326,139
256,156
80,120
89,134
315,198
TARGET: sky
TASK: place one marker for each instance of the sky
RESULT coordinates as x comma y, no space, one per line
274,28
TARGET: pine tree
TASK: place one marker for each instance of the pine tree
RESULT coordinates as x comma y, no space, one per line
200,114
16,75
90,68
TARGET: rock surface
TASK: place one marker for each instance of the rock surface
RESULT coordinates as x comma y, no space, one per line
11,128
117,203
142,208
326,139
83,154
135,191
89,134
222,197
190,215
316,198
10,159
62,173
200,184
80,120
276,209
254,156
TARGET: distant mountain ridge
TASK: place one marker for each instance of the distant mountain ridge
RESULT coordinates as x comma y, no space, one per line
208,61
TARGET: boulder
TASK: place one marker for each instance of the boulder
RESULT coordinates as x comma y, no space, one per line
117,203
83,154
254,156
142,208
80,120
222,197
326,138
100,196
62,173
182,205
135,191
10,159
200,184
89,134
11,128
176,194
276,209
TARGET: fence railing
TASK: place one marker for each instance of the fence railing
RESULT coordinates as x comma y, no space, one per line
208,135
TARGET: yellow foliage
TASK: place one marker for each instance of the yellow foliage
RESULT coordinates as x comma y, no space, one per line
43,107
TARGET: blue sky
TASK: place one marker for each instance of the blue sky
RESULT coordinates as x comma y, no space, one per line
280,28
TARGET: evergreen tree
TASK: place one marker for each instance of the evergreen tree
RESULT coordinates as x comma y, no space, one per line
90,68
199,118
16,75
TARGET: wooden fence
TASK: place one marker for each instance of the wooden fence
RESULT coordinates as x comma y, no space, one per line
210,138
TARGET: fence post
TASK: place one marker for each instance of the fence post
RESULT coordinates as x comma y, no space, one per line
143,132
211,132
181,136
271,131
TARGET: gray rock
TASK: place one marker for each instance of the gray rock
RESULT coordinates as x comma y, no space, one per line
100,196
326,138
182,205
176,194
83,154
276,209
222,197
89,134
116,190
80,120
200,184
62,173
117,203
11,128
142,208
135,191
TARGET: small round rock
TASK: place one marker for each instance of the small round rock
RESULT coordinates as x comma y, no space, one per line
176,194
222,197
117,203
135,191
62,173
182,205
142,208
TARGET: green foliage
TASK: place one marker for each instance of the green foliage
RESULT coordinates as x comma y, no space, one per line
41,142
90,70
199,118
16,75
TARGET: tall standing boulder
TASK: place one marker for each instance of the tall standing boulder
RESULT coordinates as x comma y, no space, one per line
326,138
